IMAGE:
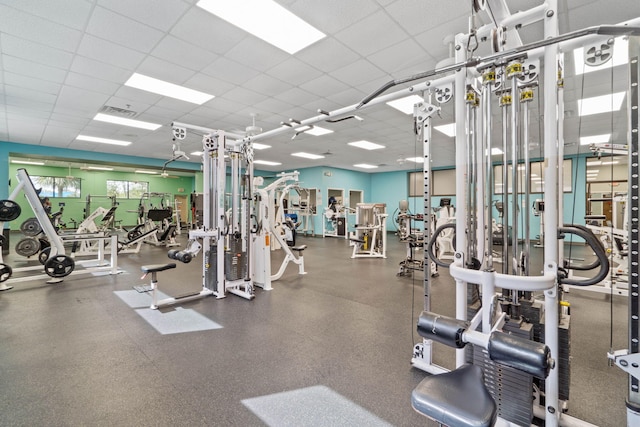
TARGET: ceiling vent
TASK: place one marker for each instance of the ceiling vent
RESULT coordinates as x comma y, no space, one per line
116,111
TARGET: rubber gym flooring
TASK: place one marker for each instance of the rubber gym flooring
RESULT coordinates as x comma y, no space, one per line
332,347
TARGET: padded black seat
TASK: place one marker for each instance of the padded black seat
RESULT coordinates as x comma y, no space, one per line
456,399
153,268
299,248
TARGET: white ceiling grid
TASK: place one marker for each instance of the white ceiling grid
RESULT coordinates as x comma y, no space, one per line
61,61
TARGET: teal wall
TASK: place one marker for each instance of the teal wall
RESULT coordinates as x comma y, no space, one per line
385,187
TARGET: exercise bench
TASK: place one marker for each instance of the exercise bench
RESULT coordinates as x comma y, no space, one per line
154,269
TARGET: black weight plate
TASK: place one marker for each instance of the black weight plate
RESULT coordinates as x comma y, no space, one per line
59,266
9,210
28,247
5,272
31,227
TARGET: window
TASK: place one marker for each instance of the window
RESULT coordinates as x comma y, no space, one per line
443,183
127,189
57,186
536,177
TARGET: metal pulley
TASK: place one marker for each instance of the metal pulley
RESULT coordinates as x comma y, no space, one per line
179,133
59,266
498,39
31,227
530,71
598,54
28,246
444,94
9,210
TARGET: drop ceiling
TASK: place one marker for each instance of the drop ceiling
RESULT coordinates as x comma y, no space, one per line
62,61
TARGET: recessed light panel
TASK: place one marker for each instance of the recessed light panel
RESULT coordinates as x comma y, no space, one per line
600,104
405,104
595,139
146,171
258,146
308,155
142,82
415,159
318,131
102,140
126,122
366,145
266,20
448,129
266,163
27,162
99,168
496,151
365,166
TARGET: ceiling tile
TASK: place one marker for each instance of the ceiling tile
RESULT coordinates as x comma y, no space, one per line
159,114
324,86
64,135
177,51
111,53
31,69
406,57
82,81
81,99
70,13
28,107
267,85
358,72
128,104
122,30
21,48
29,94
65,120
244,96
230,71
31,27
294,71
366,37
257,54
207,31
100,70
328,55
138,100
208,84
274,106
148,12
295,96
334,15
164,70
31,83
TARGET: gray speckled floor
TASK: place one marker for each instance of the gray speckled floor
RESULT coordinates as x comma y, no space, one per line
76,354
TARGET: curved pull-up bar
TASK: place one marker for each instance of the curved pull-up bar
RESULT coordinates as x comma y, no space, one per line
598,249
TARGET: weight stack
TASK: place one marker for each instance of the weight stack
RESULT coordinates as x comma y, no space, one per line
234,263
211,268
511,389
564,351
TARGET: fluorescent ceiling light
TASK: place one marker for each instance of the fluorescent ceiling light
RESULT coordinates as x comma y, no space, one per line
496,151
600,104
415,159
266,162
592,178
594,163
365,166
593,171
308,156
405,104
258,146
126,122
366,145
318,131
102,140
449,130
197,153
27,162
620,57
595,139
146,171
99,168
142,82
612,162
266,20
